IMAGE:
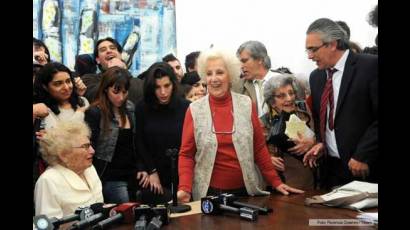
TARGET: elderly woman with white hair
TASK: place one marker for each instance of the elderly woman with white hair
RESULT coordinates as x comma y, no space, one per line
280,95
70,180
223,148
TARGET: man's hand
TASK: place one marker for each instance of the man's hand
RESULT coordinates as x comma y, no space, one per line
358,169
313,154
116,62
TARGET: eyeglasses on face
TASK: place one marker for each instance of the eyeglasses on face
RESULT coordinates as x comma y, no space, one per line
314,49
85,146
283,95
223,132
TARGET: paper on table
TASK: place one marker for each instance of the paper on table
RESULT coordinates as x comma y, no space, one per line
354,188
295,125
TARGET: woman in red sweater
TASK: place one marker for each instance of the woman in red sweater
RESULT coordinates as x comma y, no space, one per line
223,148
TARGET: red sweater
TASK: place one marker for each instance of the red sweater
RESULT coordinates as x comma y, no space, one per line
227,173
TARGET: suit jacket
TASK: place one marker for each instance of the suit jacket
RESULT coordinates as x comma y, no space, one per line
245,87
356,114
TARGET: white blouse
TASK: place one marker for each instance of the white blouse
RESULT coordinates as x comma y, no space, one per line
59,191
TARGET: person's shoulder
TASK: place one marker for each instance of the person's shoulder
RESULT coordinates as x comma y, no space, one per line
136,82
184,102
139,106
90,78
367,57
93,111
130,105
51,174
237,85
240,96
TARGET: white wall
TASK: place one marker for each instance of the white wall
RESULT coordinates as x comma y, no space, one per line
280,25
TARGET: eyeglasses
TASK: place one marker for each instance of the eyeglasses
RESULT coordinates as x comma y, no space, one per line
85,146
223,132
314,49
283,95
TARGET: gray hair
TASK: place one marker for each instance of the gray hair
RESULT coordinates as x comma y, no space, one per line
276,82
232,64
257,51
329,31
61,138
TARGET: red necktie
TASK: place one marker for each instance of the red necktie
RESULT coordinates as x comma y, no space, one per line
327,97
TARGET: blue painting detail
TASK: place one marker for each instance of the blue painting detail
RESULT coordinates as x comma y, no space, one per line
145,28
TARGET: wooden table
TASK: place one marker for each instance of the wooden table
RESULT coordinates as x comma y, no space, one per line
289,212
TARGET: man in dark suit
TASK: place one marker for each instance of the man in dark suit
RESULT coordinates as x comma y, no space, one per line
344,90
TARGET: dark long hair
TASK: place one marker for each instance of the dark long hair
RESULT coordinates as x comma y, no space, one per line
119,78
156,71
45,76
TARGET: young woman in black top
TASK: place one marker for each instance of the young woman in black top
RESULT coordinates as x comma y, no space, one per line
111,119
160,117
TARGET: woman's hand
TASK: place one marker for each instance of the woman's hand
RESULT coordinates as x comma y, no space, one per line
286,189
40,56
183,196
302,144
143,179
278,163
40,134
155,184
313,154
81,87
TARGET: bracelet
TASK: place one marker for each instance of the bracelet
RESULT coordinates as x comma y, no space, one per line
152,171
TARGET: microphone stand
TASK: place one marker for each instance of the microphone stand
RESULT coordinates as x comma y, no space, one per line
175,208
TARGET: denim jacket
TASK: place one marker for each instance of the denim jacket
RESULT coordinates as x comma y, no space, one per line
104,145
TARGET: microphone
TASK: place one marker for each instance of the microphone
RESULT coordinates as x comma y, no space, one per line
143,213
87,222
123,213
161,217
213,205
175,208
42,222
230,199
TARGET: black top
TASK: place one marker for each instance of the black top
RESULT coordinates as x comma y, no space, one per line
159,129
122,165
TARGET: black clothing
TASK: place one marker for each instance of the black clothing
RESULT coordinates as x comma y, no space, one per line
122,165
159,129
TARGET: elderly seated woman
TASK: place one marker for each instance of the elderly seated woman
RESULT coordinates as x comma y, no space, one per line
70,180
280,94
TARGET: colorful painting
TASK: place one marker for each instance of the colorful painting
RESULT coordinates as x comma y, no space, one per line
145,28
